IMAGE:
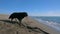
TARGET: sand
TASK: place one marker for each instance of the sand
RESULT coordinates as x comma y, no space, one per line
8,27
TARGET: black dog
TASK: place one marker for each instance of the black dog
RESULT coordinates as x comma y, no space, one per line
18,15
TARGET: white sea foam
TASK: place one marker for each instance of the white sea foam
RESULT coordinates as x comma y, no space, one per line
51,24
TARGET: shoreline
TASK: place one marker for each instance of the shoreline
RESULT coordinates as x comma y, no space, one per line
42,26
53,29
48,24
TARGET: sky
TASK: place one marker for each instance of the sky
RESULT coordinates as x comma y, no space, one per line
32,7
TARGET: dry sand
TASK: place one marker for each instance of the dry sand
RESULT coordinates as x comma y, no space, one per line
6,27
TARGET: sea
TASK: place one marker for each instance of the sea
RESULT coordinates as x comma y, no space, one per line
52,21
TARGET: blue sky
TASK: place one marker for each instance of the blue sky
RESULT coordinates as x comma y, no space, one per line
32,7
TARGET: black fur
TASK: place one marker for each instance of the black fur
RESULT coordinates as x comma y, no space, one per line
18,15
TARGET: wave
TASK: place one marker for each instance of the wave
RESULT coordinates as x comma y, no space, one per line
50,23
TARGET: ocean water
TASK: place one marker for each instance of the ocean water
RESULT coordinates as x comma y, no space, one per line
53,21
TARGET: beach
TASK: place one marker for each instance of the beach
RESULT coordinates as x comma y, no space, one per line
6,27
